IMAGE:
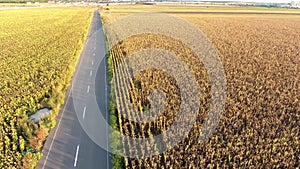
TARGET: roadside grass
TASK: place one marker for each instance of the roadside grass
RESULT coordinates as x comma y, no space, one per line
115,140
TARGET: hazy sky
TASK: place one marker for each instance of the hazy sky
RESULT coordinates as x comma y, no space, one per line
271,1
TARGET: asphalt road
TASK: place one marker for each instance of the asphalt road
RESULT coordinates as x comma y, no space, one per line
68,145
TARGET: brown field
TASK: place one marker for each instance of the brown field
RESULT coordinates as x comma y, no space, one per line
260,125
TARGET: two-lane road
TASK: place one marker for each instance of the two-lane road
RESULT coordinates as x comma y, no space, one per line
68,146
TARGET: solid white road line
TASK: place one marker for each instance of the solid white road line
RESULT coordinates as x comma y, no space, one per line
88,89
84,112
76,156
62,114
107,158
91,73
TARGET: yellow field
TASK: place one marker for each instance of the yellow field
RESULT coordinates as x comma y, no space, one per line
261,57
39,50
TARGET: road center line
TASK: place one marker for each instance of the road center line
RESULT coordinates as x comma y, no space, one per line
84,112
91,73
76,156
88,89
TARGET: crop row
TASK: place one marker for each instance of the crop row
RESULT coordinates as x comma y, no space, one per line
260,125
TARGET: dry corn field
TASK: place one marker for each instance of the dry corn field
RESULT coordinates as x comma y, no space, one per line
259,127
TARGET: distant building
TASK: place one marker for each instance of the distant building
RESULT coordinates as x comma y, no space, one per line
295,4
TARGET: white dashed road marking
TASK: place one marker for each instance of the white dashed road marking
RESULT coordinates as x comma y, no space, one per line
76,156
88,89
84,112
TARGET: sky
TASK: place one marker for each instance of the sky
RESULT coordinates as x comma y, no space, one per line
268,1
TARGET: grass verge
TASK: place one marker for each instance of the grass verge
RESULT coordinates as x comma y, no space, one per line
115,140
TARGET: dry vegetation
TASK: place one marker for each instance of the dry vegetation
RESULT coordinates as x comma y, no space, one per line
260,125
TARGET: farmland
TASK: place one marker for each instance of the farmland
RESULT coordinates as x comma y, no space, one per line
260,124
39,51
